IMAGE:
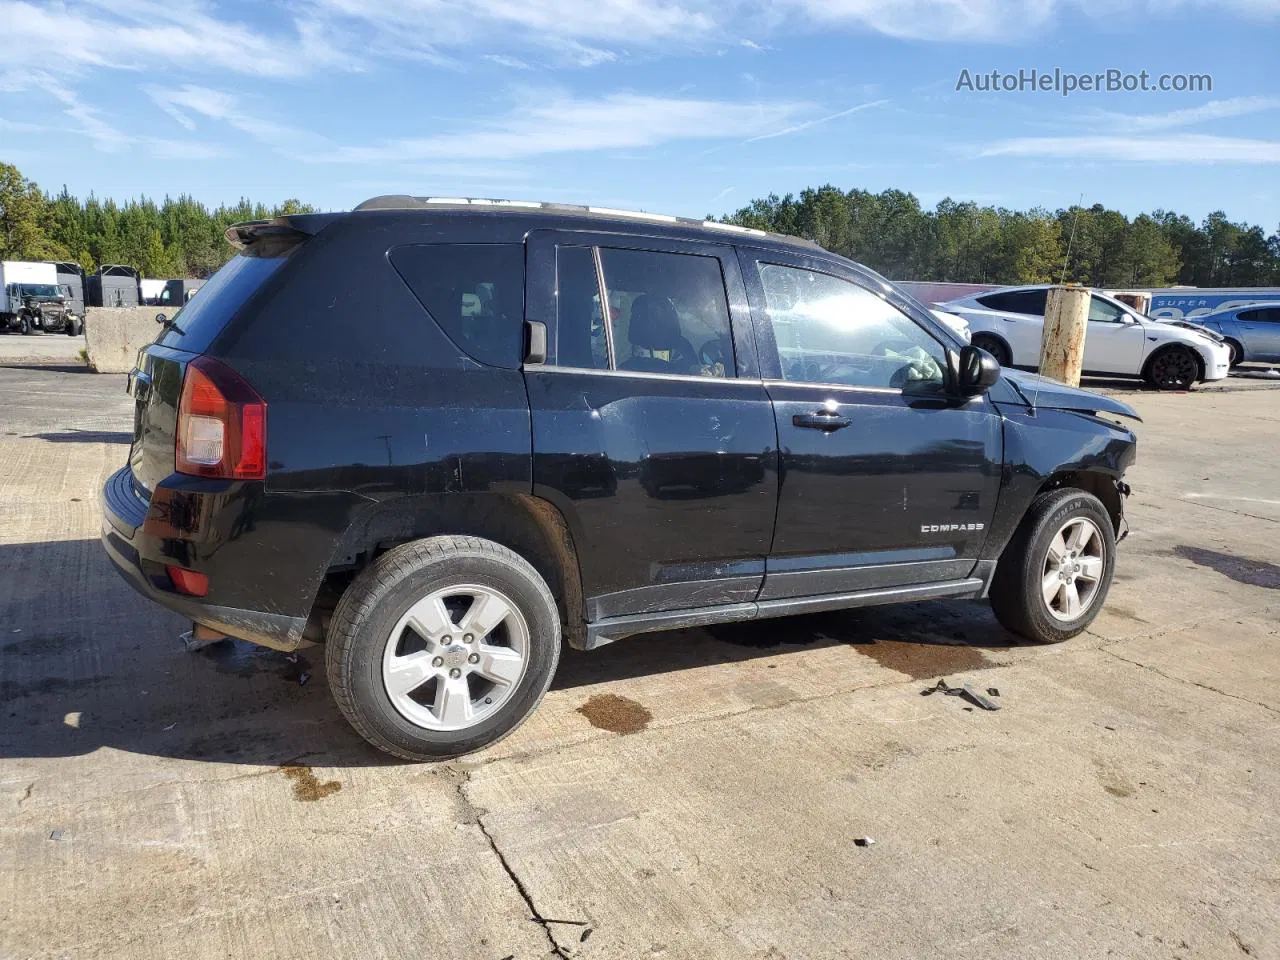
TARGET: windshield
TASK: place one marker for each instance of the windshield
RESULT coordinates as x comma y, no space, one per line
38,290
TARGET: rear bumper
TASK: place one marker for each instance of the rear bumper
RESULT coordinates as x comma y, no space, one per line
127,543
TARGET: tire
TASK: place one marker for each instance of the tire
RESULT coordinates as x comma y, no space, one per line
73,328
375,637
1025,569
1172,368
1237,352
25,325
994,346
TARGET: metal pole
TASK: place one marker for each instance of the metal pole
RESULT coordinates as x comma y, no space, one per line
1066,316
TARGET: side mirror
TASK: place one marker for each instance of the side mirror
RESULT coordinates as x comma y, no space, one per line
978,371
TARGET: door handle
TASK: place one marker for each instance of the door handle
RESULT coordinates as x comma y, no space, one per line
822,420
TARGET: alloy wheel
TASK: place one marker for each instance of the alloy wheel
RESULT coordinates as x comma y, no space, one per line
1073,568
1174,369
455,657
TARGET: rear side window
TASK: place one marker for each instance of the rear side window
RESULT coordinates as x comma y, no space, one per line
667,313
1030,302
474,291
195,325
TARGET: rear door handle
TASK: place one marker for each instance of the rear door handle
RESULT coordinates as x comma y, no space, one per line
822,420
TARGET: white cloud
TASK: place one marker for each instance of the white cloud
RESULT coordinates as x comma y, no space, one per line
1213,110
1178,148
561,124
999,20
89,122
137,34
310,36
218,105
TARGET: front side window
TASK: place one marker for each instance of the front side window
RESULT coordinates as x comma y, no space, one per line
829,330
474,291
1103,311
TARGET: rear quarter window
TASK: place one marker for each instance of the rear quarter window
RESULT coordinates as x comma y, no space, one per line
195,325
474,292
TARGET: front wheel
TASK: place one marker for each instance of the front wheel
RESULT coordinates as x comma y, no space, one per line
1237,353
1053,576
993,346
73,328
25,326
442,646
1173,368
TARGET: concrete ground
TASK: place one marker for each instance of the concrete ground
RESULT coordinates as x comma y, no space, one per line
14,347
684,795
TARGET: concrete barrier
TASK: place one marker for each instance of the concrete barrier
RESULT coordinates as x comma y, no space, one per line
114,335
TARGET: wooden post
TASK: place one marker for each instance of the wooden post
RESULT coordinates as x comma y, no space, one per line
1066,315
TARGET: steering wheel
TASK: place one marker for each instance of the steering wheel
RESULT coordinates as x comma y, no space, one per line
886,347
831,372
683,355
716,350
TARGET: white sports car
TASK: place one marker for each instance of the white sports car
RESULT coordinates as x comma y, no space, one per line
1168,354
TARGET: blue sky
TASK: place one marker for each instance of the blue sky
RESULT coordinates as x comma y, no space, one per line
679,106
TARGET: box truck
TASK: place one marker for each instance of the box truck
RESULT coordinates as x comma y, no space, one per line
32,300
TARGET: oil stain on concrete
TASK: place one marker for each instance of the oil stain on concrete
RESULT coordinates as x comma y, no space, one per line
616,714
921,661
305,785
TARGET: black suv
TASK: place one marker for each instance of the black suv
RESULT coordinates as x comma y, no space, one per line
440,436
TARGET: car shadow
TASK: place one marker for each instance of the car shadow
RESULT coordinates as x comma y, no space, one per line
86,663
83,436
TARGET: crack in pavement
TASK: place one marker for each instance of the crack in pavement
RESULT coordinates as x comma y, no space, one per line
478,815
1194,683
1238,513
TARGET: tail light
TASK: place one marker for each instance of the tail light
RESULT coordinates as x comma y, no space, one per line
222,424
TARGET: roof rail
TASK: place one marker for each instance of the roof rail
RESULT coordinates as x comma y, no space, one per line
405,202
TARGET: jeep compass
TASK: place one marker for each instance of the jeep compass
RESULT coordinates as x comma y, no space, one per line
442,437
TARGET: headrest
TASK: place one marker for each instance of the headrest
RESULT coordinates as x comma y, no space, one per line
655,325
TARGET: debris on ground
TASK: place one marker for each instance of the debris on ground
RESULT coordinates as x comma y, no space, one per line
966,691
992,692
863,841
585,934
55,835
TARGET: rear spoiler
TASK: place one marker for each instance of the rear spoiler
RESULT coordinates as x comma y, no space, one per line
271,238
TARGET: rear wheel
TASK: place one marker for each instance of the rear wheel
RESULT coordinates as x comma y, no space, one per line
994,346
1173,368
1053,576
442,646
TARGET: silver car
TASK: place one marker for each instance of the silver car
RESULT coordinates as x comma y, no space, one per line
1252,331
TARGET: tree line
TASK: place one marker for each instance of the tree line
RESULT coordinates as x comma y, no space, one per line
889,232
966,242
174,238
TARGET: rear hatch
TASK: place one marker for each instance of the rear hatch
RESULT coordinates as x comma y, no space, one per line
156,382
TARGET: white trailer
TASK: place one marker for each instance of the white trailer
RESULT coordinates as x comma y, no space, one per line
32,299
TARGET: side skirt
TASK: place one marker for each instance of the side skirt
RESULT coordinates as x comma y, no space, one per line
615,628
